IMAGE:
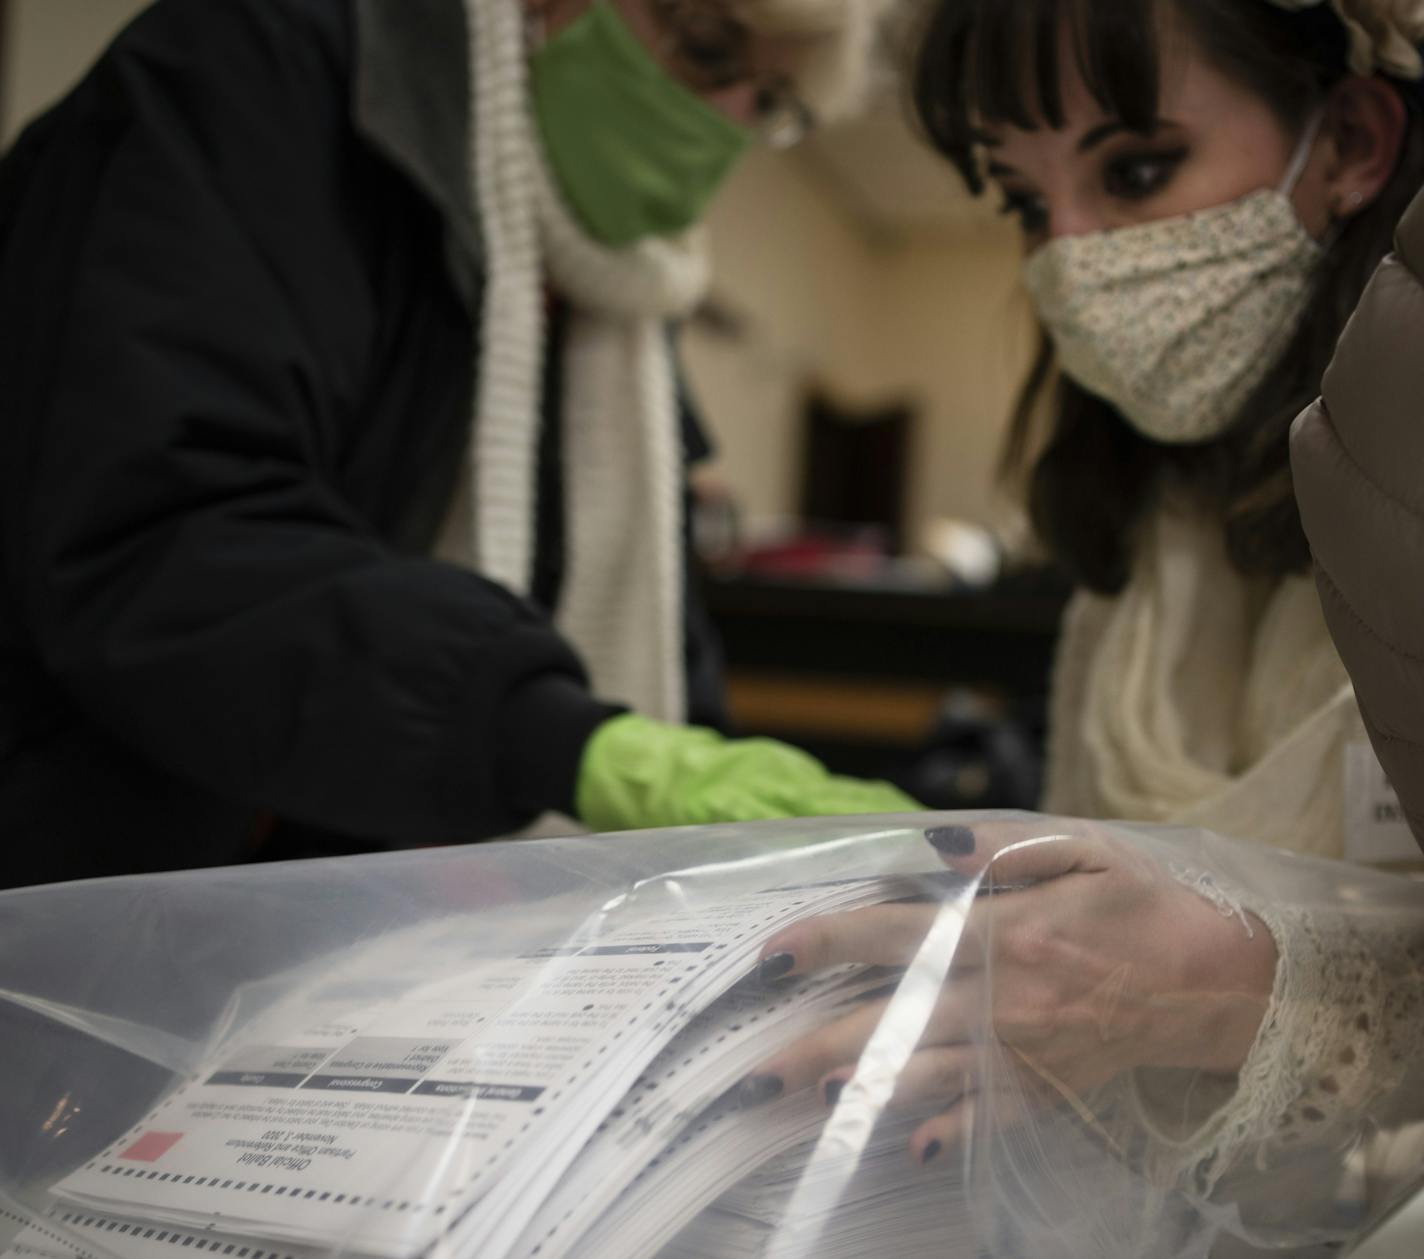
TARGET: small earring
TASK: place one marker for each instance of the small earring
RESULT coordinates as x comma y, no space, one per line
1345,204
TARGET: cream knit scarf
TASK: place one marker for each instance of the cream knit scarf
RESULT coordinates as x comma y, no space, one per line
622,601
1200,697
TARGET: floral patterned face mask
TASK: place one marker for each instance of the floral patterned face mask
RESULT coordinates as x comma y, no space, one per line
1176,322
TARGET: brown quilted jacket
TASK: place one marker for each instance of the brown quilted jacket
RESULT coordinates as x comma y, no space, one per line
1358,458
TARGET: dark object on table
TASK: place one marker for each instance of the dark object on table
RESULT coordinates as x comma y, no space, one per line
853,467
976,759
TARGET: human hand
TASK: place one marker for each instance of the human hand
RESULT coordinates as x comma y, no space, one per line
1102,964
639,773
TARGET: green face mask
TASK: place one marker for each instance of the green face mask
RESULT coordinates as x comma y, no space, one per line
635,153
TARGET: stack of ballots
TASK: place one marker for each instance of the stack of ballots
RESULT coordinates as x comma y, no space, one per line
535,1051
459,1087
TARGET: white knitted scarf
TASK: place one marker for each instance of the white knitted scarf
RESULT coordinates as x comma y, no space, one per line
622,599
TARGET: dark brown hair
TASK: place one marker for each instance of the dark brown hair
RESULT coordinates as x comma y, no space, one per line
996,62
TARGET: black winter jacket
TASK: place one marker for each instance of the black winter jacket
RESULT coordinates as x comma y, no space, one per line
237,267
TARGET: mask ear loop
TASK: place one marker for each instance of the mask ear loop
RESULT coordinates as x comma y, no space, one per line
1300,159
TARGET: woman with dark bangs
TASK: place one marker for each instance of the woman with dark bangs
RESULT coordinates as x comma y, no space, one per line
1205,188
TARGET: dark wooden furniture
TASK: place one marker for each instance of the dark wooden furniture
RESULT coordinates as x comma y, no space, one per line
859,674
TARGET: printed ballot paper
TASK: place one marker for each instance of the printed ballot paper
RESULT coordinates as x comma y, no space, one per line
420,1095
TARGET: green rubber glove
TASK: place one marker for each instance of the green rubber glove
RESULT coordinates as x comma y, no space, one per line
639,773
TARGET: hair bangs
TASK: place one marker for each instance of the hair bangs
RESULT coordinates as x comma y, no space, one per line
990,63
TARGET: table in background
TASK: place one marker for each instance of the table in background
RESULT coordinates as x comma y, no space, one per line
859,673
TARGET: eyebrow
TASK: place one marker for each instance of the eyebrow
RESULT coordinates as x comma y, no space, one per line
1091,140
1098,134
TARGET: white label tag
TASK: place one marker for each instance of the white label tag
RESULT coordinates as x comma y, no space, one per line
1375,829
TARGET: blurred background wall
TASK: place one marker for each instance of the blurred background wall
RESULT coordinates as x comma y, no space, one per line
859,263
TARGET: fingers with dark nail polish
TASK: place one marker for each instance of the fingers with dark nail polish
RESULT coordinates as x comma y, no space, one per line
832,1090
931,1152
951,841
775,967
757,1089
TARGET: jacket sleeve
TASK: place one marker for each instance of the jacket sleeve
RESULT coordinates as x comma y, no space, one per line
1357,456
190,267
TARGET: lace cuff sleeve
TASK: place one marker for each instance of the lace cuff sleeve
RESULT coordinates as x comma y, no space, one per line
1343,1031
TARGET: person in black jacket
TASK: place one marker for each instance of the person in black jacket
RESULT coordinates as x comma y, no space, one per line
342,454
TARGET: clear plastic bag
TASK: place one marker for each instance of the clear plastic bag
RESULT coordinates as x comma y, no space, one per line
1000,1036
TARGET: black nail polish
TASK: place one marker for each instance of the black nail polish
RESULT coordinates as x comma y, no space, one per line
931,1152
951,841
757,1089
775,967
833,1091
